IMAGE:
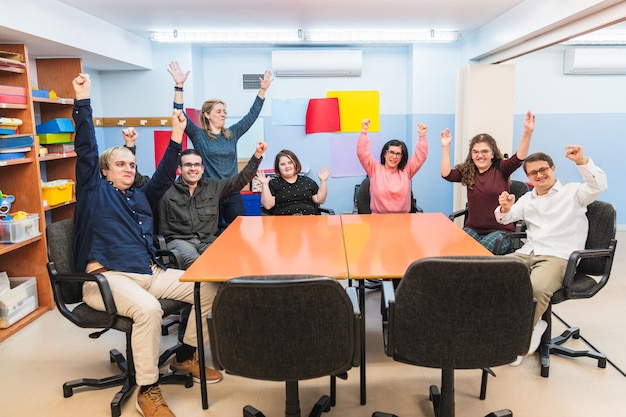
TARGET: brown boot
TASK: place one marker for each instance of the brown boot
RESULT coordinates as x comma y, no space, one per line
193,365
150,403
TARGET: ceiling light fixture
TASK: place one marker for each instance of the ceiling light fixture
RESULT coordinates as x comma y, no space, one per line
600,37
308,37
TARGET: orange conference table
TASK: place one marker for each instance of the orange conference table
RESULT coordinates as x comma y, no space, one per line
348,246
268,245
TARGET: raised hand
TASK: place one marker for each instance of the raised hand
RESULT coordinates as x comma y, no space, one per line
130,135
422,129
177,74
267,79
260,176
261,147
506,201
179,122
323,174
529,121
365,125
82,86
576,154
446,138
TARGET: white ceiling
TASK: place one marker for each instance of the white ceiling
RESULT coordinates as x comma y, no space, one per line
141,17
144,16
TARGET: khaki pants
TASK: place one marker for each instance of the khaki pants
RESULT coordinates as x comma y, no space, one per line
135,296
546,277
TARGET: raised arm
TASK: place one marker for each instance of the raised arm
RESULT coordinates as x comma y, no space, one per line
446,141
179,78
266,81
524,143
320,197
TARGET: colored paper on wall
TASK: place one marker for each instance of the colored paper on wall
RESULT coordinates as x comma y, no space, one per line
161,140
246,145
354,106
194,115
322,115
343,159
289,111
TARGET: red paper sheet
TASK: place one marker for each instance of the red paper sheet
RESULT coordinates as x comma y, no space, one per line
322,115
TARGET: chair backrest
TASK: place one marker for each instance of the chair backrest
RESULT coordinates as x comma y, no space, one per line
60,240
282,328
518,188
601,216
462,312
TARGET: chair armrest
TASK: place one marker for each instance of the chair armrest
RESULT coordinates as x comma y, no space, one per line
171,257
574,260
78,278
497,248
458,213
358,317
326,210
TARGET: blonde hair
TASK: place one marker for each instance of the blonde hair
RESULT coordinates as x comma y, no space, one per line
207,107
105,156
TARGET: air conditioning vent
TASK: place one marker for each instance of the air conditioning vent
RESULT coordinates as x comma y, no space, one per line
251,81
317,62
595,60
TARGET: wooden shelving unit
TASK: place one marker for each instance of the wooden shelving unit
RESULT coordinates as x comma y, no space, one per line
22,177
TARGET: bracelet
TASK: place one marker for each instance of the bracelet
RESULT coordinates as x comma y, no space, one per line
176,88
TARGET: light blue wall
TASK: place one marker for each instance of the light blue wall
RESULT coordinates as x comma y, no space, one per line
416,85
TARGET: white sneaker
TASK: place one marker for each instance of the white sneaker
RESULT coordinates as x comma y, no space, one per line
535,339
517,362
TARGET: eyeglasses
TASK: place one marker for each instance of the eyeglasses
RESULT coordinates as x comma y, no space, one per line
392,153
482,151
192,165
542,171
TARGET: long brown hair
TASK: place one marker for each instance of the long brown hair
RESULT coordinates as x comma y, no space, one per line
468,168
207,106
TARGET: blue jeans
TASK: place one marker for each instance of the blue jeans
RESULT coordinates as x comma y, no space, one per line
231,206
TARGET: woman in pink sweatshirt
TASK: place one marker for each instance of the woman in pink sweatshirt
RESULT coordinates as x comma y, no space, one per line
390,180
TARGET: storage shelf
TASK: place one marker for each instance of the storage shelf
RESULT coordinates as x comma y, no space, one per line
56,157
18,161
10,247
67,203
5,333
61,101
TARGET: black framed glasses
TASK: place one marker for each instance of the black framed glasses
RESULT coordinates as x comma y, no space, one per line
533,174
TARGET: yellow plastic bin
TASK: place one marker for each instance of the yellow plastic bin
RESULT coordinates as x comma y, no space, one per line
57,192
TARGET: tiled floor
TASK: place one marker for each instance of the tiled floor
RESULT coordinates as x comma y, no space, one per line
35,362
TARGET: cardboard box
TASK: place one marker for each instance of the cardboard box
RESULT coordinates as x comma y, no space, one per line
47,138
14,231
19,301
57,192
10,90
59,125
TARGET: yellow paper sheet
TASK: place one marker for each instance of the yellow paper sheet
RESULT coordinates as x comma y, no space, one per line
354,106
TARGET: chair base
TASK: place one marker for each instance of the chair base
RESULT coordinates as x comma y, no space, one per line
443,401
126,379
292,404
553,345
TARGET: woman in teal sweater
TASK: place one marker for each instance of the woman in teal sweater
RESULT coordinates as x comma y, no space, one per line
216,143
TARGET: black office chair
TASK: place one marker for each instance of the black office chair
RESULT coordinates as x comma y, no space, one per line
587,273
458,313
67,287
518,188
296,328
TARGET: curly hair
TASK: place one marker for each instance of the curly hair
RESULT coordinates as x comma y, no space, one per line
207,106
468,168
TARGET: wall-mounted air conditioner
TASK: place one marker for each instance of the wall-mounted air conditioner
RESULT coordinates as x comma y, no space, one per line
317,62
595,60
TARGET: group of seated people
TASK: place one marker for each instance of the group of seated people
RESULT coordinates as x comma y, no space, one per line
117,210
